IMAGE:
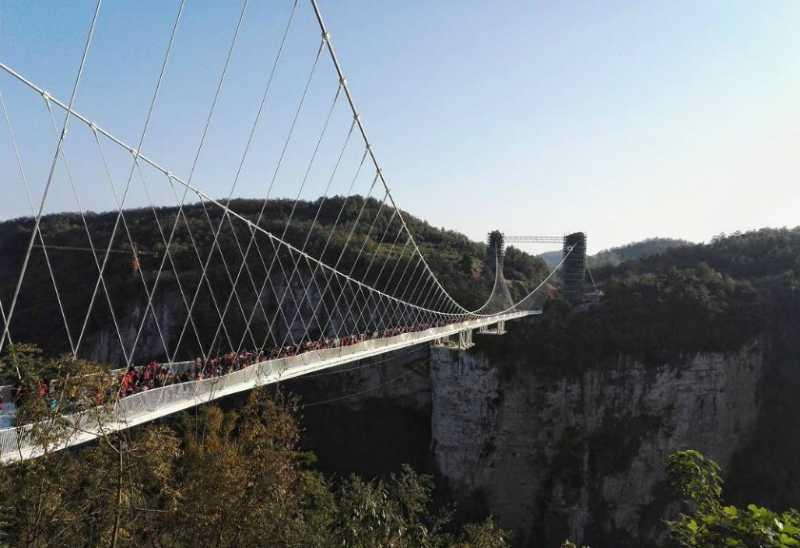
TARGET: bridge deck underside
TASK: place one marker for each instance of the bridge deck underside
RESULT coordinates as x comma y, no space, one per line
160,402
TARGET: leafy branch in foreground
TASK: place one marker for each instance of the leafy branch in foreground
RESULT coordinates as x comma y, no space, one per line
709,522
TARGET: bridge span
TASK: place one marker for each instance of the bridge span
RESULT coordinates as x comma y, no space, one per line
153,404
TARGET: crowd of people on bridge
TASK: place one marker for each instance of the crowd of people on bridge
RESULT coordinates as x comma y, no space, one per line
136,379
155,375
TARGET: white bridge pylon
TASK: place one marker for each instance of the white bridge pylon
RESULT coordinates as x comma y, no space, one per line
159,402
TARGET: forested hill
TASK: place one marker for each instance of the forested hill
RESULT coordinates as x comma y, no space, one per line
756,255
457,261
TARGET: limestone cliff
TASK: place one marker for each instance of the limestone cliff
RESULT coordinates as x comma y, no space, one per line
581,456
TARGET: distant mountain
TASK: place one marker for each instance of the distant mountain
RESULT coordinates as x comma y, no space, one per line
616,255
634,251
550,258
756,256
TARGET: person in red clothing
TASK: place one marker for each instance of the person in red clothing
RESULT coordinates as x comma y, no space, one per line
147,374
127,383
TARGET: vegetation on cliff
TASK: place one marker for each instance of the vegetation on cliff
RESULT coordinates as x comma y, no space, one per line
457,261
657,318
714,297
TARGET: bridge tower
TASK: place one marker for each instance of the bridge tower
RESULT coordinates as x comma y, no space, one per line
495,250
501,296
573,272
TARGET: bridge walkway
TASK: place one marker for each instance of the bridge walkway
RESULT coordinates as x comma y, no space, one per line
152,404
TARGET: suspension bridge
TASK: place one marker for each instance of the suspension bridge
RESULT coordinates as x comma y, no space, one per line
251,300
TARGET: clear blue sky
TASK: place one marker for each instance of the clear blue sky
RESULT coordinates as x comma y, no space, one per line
623,119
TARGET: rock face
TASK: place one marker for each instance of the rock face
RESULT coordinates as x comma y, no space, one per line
582,457
142,326
153,329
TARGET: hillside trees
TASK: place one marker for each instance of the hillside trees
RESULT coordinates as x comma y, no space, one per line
654,317
752,255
